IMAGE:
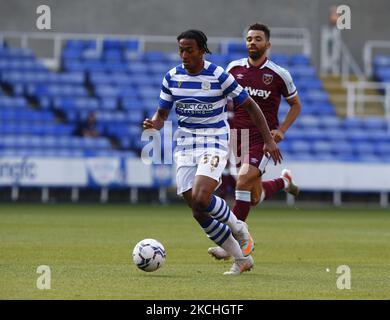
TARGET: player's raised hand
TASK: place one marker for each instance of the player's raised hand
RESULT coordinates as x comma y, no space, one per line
148,124
152,124
278,135
273,151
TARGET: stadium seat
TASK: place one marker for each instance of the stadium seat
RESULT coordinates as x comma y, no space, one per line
300,146
122,86
322,147
382,61
299,59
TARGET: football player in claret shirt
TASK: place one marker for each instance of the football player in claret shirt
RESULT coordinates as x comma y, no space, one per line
266,83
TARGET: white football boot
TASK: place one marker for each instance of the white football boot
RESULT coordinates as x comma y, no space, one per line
240,265
244,239
292,188
219,253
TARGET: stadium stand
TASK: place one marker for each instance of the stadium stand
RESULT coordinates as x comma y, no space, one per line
382,68
39,109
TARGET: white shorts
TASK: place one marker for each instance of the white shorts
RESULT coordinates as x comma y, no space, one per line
208,162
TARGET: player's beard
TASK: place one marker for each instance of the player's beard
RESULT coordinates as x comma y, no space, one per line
256,55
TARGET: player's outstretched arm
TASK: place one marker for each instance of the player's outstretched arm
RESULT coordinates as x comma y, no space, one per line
258,119
157,121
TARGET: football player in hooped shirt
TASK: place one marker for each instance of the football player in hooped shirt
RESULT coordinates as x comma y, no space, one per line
198,91
265,82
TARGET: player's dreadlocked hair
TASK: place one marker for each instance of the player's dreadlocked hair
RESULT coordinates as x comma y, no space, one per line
261,27
196,35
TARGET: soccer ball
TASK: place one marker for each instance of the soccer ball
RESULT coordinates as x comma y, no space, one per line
149,255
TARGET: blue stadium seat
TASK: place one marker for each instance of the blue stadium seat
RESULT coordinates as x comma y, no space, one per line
317,96
128,92
135,116
109,103
154,56
76,103
56,90
73,65
322,147
236,47
99,78
378,135
114,66
366,157
235,56
302,71
353,123
308,121
137,68
334,134
324,156
302,156
331,122
150,92
159,69
132,45
342,148
112,55
356,135
383,74
382,61
150,105
314,134
103,91
299,59
364,148
130,104
80,43
307,84
294,133
300,146
8,52
383,148
13,102
374,123
121,78
280,58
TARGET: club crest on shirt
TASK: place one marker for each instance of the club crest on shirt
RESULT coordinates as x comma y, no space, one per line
206,85
267,78
179,84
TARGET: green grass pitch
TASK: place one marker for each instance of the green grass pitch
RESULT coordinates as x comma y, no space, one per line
88,249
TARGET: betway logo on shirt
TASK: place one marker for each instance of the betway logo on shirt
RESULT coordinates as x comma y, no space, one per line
258,92
193,106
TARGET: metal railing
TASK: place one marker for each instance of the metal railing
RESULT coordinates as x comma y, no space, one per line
349,65
295,37
336,59
368,49
357,97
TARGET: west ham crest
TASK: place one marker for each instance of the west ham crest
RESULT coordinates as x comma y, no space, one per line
267,78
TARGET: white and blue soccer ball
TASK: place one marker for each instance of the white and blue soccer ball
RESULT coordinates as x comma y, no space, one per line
149,255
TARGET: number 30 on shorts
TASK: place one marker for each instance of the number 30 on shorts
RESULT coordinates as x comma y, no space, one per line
214,160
